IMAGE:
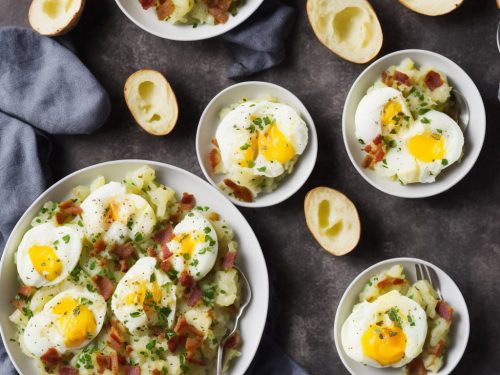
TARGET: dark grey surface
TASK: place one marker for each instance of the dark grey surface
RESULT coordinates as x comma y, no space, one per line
459,230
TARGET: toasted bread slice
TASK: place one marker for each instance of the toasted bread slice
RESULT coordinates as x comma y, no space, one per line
151,101
349,28
432,7
54,17
332,219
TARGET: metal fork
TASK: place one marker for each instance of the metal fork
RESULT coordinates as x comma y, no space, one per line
425,273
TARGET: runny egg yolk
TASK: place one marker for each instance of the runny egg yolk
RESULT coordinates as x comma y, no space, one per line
76,322
250,151
142,293
188,241
45,261
427,147
386,345
274,146
389,115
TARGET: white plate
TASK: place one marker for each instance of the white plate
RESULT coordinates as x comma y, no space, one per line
250,258
148,21
210,120
459,334
474,134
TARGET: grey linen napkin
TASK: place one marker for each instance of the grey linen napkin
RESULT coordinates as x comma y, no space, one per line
259,43
44,89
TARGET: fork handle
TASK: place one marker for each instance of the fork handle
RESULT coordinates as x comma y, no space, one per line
220,354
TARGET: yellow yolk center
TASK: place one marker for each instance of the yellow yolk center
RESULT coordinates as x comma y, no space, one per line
142,293
386,345
45,261
274,146
188,241
76,321
250,152
427,147
391,110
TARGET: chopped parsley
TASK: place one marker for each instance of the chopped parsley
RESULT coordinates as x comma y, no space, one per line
444,162
66,238
135,314
425,120
138,237
394,316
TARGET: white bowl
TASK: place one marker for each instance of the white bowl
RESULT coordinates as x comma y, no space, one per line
210,120
459,334
474,134
250,259
148,21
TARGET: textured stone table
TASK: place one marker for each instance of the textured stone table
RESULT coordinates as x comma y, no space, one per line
459,230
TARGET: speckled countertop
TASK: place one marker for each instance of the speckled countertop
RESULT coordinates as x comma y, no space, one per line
459,230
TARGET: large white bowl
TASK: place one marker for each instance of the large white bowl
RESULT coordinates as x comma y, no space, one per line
474,134
250,257
459,334
148,21
210,120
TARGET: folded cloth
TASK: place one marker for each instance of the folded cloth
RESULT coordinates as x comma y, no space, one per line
44,88
259,43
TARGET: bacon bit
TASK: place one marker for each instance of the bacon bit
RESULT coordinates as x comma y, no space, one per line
115,363
180,325
192,346
193,296
152,252
416,367
368,148
156,372
67,210
131,370
219,9
18,303
51,357
378,140
123,265
240,192
128,350
228,260
188,202
437,350
68,370
26,290
123,251
186,280
114,338
165,265
433,80
175,342
104,362
402,77
390,281
99,246
444,310
164,236
215,158
386,79
368,161
104,286
164,9
233,341
102,262
146,4
165,251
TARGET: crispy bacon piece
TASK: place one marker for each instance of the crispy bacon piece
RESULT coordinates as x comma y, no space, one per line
51,357
114,339
188,202
174,343
131,370
67,210
378,140
26,290
186,280
386,78
18,303
104,286
68,370
233,341
215,158
99,246
165,265
165,9
156,372
437,350
219,9
368,161
165,251
164,236
390,281
433,80
240,192
104,362
444,310
146,4
402,77
228,260
152,252
193,295
192,346
123,265
182,327
123,251
416,367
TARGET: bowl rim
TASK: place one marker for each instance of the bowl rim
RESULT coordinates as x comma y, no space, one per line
337,324
312,147
474,154
253,6
36,202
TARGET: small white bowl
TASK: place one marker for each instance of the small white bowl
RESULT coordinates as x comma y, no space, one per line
210,120
148,21
459,334
474,134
